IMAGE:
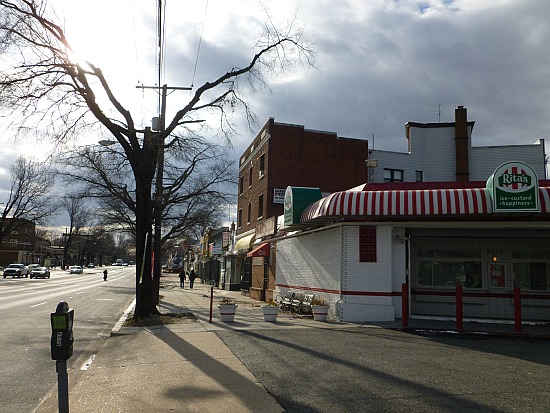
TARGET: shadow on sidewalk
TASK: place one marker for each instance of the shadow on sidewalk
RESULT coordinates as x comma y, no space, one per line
231,378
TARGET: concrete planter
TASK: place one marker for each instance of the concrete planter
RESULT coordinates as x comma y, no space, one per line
320,312
270,312
227,311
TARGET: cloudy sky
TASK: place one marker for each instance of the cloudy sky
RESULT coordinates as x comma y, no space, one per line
379,64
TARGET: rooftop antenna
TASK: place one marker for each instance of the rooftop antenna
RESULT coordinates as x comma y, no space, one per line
438,111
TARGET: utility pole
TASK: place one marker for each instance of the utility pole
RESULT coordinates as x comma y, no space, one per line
159,194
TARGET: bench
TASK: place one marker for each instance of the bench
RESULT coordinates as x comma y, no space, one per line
306,304
296,302
285,302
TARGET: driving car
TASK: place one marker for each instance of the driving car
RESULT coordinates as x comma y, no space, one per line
75,269
16,270
32,267
40,272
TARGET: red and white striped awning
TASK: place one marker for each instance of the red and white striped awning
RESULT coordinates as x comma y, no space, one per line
409,203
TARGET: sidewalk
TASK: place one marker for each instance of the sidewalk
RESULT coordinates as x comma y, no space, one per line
181,367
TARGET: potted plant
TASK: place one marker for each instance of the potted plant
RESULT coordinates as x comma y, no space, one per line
227,308
319,308
270,311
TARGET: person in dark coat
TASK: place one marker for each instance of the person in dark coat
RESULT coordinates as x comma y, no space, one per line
182,278
192,277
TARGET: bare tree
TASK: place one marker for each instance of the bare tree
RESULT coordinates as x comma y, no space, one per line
47,90
30,197
79,216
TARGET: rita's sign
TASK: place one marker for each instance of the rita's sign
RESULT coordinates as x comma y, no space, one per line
514,188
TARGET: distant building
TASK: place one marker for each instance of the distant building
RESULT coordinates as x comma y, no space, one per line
443,152
23,246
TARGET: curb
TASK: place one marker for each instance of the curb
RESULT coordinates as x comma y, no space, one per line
118,326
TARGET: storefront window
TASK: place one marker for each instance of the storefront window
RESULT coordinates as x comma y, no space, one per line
531,275
449,268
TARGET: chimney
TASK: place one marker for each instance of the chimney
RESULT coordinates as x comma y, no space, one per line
461,144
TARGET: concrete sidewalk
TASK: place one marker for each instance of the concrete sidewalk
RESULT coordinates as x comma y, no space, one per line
181,367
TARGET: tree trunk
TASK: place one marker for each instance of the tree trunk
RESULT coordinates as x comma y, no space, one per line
144,170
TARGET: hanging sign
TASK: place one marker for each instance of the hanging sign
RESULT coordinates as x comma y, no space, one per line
514,188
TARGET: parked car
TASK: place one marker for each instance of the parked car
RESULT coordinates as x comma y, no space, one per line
40,272
91,265
16,270
76,269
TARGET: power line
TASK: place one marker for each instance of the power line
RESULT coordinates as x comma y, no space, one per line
200,41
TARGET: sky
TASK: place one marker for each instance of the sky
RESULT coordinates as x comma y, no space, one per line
379,63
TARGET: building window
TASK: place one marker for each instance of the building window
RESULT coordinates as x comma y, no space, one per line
250,177
447,268
241,184
531,270
419,176
240,218
249,211
261,206
393,175
262,165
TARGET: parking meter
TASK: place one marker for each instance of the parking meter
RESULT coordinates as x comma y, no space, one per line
62,332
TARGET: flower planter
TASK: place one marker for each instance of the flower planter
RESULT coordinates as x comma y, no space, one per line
227,311
270,312
320,312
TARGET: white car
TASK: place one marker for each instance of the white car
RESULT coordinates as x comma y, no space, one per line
76,269
16,270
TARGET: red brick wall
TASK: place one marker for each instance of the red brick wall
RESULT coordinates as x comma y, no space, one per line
298,157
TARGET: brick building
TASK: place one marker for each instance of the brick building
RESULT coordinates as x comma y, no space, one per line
283,154
279,156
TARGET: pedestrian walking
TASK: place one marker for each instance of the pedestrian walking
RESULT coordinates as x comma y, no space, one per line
105,275
192,277
182,278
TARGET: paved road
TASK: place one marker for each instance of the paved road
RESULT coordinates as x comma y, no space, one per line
375,370
27,371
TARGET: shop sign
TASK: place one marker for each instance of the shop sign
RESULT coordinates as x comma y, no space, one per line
266,228
297,199
278,195
514,188
215,249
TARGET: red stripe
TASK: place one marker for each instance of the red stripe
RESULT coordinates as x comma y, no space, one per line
301,287
449,206
457,201
423,202
398,196
475,200
375,203
373,293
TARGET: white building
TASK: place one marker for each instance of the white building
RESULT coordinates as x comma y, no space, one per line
368,252
444,152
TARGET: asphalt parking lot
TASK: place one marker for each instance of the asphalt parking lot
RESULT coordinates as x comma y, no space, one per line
363,369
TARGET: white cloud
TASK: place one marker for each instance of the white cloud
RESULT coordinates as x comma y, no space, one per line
380,63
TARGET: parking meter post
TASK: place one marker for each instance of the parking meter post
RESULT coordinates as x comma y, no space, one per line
61,350
62,386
